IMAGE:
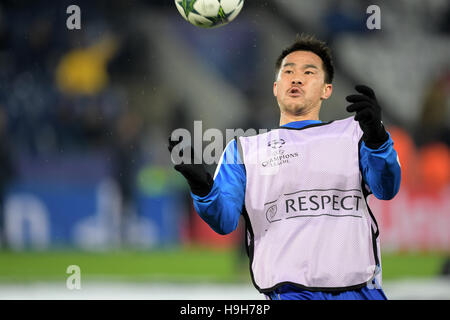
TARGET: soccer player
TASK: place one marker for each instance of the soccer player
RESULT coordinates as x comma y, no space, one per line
302,187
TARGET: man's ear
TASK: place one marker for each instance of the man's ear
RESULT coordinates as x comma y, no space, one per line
275,89
327,91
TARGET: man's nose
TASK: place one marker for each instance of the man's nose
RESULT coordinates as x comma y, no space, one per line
296,82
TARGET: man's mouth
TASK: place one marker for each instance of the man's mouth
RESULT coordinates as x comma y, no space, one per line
295,92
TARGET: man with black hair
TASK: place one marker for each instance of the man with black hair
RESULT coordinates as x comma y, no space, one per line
302,188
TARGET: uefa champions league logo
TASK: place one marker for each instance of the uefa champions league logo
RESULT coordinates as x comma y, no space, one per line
276,144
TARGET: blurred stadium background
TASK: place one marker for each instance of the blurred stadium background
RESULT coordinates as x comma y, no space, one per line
85,176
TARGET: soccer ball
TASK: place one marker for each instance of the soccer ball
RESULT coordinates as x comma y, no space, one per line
209,13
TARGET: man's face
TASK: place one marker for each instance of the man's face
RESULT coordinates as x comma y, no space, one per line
300,86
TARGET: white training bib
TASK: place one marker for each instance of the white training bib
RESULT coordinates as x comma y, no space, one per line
308,222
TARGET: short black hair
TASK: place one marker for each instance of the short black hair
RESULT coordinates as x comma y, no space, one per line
310,43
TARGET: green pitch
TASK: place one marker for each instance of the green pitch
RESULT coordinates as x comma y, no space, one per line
174,265
194,264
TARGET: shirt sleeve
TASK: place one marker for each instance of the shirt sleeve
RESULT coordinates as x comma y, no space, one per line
222,207
381,169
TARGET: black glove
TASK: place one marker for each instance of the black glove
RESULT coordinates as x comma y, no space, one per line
368,114
199,180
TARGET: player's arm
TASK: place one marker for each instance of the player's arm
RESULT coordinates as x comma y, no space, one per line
222,207
381,169
378,159
218,201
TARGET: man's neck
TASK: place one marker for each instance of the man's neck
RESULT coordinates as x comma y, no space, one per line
286,117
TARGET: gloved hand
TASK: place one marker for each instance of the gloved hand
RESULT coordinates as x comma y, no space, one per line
368,114
199,180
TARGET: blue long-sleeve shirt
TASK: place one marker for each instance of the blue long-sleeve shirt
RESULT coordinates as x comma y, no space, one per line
222,207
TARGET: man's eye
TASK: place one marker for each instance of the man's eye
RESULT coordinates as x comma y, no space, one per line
288,71
309,72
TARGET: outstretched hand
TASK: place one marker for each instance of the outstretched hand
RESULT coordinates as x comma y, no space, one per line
199,180
368,114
